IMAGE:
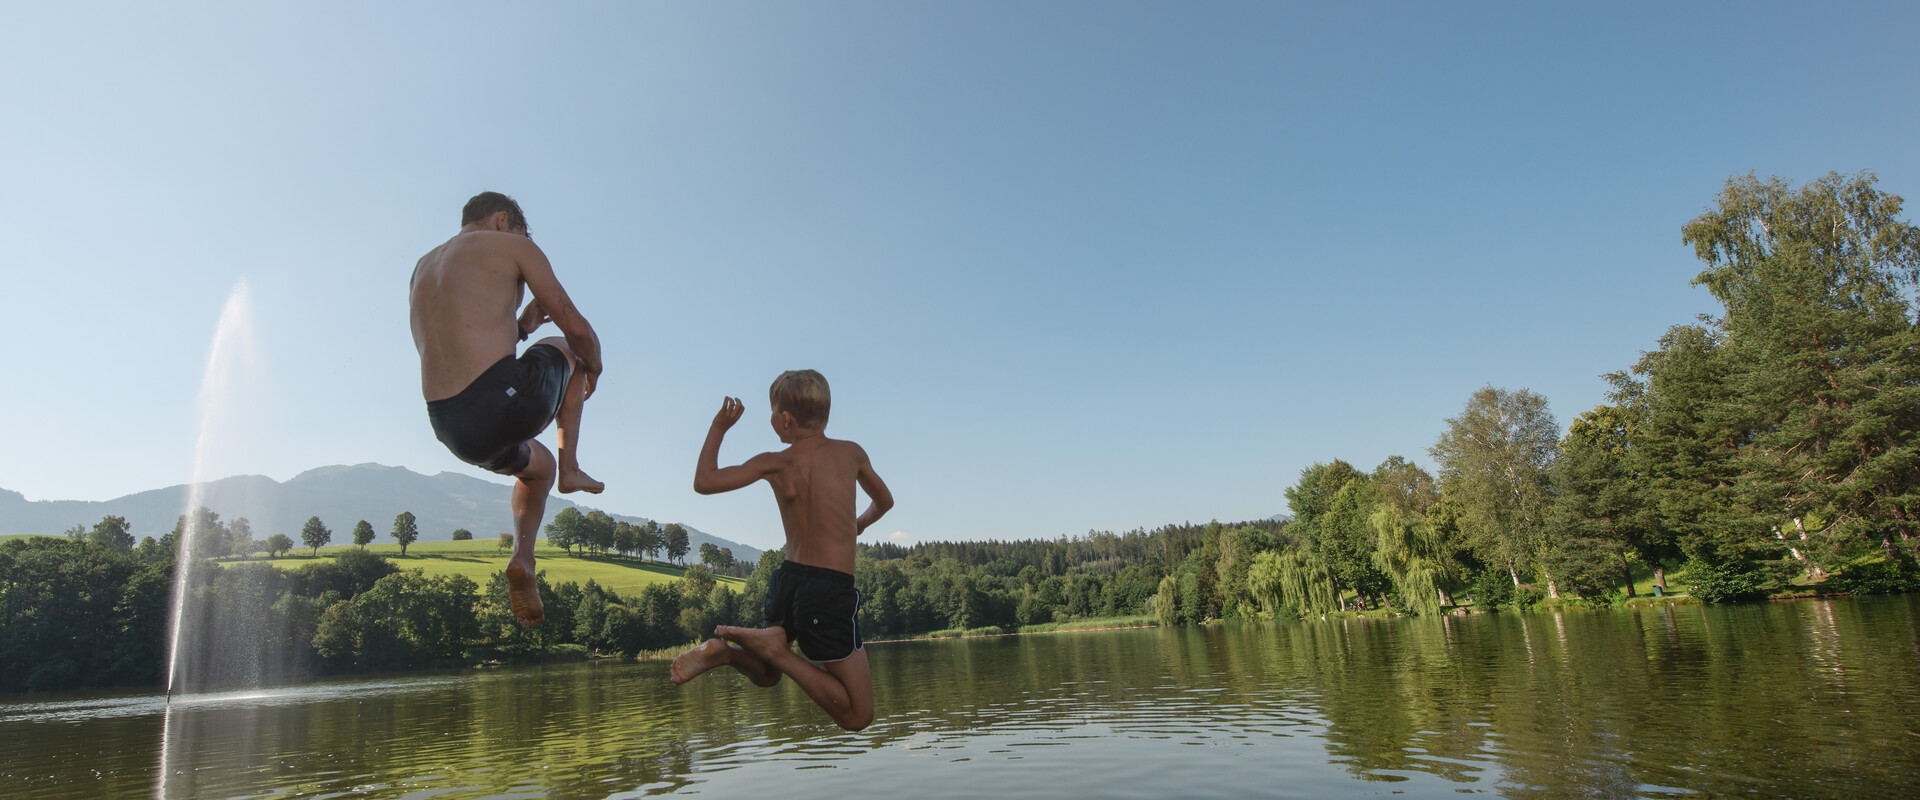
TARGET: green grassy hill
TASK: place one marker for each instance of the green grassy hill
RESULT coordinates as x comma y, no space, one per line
479,559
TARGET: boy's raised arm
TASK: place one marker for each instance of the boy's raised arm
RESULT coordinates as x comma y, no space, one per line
877,492
708,476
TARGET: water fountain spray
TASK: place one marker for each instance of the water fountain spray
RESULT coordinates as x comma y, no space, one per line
227,360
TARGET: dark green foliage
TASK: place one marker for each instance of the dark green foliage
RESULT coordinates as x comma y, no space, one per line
1590,567
62,622
567,529
77,614
363,533
597,531
674,537
405,620
1732,580
1883,576
462,535
1493,588
112,533
347,574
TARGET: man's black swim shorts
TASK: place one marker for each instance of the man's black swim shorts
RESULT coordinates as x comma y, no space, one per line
489,423
816,606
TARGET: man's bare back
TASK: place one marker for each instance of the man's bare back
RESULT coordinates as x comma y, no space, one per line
465,299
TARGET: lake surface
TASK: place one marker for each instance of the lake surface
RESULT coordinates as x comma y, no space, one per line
1809,698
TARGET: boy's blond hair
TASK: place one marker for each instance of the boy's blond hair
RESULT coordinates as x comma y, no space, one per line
804,394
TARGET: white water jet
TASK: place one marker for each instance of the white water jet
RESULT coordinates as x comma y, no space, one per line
229,361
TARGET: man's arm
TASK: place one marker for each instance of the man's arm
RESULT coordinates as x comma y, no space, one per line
531,318
876,489
550,300
708,476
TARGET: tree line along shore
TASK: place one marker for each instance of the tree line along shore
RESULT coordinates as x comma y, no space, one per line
1772,449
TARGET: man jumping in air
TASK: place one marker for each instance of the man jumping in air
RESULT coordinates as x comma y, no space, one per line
486,405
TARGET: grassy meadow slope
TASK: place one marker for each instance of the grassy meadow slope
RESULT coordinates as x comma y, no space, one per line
479,559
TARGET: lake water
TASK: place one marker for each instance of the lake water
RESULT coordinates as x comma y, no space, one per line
1802,699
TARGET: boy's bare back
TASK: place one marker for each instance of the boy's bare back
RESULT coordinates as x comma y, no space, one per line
813,480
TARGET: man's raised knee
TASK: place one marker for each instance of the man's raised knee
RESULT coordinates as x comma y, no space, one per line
559,343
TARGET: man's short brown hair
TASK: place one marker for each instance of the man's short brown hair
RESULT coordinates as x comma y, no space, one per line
804,394
486,204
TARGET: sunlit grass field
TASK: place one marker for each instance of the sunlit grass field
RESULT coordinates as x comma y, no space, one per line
479,559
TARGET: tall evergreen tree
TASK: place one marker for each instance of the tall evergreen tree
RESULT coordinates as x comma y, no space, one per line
1823,358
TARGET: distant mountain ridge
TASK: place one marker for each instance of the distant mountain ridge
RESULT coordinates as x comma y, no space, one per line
339,495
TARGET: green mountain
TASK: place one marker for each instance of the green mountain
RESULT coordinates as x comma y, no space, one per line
338,495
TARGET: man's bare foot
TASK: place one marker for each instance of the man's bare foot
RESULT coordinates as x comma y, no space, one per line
523,592
762,642
577,481
704,656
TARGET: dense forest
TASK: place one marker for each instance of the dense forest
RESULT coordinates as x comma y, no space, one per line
1776,443
1772,446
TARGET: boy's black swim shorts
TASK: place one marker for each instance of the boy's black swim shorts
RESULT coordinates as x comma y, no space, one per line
816,606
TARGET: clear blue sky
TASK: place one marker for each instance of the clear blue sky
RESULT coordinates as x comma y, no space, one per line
1068,266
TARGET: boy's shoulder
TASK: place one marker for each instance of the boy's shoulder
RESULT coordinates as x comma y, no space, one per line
827,450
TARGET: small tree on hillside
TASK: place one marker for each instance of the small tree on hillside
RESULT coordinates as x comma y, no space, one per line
278,544
112,533
506,541
676,538
647,538
599,531
462,535
567,528
241,532
363,533
314,534
405,531
710,555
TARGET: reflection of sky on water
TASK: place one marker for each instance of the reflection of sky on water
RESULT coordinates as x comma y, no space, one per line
1618,704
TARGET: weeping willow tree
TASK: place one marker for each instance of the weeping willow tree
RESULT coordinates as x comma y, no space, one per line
1407,547
1294,579
1412,554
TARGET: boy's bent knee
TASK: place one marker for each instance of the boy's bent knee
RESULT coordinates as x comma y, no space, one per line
854,721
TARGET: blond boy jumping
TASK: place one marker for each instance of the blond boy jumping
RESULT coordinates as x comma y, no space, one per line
810,599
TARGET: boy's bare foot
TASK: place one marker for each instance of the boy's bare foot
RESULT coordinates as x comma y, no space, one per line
762,642
577,481
704,656
523,593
